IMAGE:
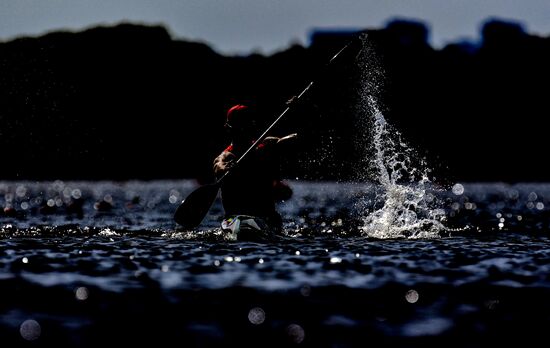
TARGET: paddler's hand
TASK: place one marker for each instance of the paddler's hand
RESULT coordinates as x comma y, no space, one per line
291,100
229,162
230,165
224,162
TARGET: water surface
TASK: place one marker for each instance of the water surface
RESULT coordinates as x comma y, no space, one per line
122,271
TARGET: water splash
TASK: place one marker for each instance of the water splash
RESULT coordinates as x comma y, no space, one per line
406,206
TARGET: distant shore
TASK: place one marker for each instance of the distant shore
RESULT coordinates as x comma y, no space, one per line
131,102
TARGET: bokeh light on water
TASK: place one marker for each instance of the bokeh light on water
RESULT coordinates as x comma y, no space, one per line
295,333
30,330
256,316
412,296
458,189
82,293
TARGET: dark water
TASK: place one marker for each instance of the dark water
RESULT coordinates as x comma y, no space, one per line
88,264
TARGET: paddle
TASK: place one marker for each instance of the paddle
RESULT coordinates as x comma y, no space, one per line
194,208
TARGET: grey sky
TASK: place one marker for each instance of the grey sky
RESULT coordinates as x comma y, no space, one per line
266,25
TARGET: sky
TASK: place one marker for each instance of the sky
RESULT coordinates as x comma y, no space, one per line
265,26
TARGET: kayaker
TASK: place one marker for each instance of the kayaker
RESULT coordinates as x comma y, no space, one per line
254,187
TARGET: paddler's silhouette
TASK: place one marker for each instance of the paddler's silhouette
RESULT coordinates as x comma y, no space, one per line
254,186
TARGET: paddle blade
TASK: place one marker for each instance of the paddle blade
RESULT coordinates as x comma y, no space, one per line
194,208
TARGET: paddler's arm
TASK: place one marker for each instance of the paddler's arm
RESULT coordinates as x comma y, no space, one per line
282,144
270,141
223,163
226,160
288,139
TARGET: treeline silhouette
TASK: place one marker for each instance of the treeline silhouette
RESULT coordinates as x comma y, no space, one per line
131,102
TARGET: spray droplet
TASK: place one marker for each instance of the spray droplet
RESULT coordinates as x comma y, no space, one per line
408,209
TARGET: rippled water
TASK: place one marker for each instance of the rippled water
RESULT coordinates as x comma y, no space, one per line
83,262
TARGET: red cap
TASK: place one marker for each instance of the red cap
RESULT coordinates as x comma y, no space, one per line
238,114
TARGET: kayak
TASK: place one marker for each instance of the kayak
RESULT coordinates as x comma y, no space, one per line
251,228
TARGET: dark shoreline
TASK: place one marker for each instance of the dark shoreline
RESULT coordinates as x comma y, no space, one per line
130,101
